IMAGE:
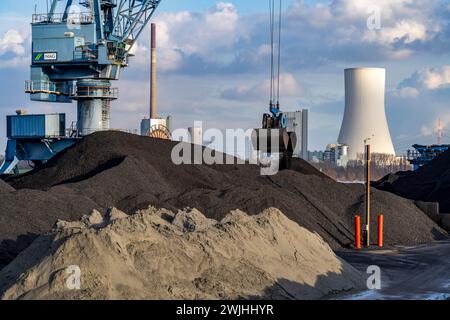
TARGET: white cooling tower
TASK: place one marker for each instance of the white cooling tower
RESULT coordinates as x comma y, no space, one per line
365,115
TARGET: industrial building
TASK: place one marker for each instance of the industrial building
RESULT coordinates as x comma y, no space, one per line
298,122
154,126
422,155
337,154
315,156
365,116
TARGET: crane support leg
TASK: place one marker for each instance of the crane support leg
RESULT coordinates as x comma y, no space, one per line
11,161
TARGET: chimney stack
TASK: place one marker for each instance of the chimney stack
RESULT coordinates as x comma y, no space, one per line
153,113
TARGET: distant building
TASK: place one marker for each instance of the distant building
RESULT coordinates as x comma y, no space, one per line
157,128
315,156
298,122
337,154
365,116
422,155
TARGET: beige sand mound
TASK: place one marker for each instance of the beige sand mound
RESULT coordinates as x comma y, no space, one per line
156,254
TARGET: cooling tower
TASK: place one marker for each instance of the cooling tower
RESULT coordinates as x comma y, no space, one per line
365,115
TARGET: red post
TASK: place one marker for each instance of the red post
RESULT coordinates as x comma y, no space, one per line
358,232
380,230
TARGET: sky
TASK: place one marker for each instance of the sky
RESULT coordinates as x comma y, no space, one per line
213,64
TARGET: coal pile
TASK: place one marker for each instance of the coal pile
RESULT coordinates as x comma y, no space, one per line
430,183
4,187
130,172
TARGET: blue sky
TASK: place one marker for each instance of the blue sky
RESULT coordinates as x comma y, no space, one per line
213,64
244,6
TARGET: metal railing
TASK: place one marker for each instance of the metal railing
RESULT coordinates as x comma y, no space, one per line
38,86
48,87
96,92
72,18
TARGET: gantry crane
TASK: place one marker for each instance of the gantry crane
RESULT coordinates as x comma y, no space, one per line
78,48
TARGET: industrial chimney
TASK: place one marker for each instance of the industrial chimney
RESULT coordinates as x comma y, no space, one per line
155,126
365,115
153,112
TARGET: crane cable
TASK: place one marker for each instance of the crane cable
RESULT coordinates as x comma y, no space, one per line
275,78
279,54
272,18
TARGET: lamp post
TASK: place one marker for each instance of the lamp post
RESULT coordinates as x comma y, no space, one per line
368,178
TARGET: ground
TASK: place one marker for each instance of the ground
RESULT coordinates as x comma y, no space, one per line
417,273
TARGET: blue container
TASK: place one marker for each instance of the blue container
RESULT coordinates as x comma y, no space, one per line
36,126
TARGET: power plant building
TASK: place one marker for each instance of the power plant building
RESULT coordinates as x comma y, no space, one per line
365,115
298,122
337,154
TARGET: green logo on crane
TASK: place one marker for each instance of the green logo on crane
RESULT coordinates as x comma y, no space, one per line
45,56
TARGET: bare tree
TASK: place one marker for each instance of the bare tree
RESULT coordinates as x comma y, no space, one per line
381,165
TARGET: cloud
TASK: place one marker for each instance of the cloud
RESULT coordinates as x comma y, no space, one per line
12,41
14,49
434,79
428,79
405,26
209,37
406,92
221,40
289,87
167,59
416,105
406,31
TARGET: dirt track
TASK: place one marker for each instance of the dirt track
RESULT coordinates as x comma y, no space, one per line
406,273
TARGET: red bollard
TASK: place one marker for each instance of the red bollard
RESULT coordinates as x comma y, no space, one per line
358,232
380,230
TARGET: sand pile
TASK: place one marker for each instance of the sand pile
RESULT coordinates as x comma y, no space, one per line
156,254
130,172
430,183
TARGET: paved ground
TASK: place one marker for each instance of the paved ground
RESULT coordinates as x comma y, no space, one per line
406,273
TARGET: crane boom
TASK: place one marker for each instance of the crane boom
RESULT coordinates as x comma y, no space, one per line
118,20
132,17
